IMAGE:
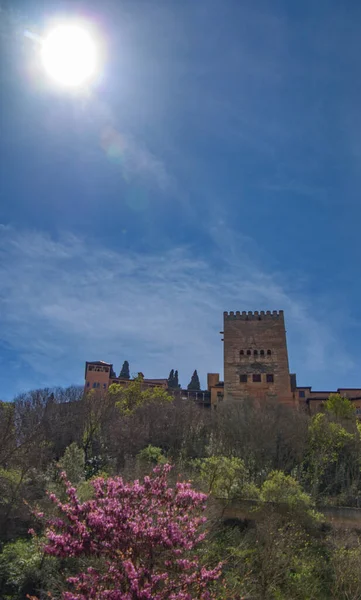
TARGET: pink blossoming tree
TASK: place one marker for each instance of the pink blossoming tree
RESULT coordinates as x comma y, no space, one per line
145,535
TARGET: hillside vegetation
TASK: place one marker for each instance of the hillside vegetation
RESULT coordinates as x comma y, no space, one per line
83,514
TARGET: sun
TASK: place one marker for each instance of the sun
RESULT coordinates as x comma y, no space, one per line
70,55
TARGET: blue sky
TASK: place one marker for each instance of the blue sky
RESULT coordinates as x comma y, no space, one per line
215,166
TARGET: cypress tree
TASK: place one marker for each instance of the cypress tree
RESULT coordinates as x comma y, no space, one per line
176,382
194,382
171,379
124,373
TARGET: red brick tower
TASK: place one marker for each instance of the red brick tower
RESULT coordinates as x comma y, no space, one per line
255,356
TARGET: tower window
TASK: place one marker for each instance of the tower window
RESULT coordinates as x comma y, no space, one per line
87,383
301,394
242,352
261,352
94,384
243,378
256,377
248,352
255,352
269,352
269,378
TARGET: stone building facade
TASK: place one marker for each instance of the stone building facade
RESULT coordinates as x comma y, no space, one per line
99,375
255,356
256,366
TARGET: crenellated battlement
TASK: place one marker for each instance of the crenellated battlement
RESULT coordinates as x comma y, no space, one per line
253,315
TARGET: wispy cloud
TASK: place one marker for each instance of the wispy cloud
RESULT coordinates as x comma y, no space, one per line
134,158
66,301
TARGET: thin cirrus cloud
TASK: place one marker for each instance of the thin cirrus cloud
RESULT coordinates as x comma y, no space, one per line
66,301
134,159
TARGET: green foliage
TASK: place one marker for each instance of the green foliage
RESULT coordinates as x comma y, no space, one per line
339,407
132,396
11,477
271,560
171,379
91,422
151,455
328,441
173,382
282,562
23,569
73,463
15,484
345,560
124,373
11,482
281,488
224,477
194,382
284,554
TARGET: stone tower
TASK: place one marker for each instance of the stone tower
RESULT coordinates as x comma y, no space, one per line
255,356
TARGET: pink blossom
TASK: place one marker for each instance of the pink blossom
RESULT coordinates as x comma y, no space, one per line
146,532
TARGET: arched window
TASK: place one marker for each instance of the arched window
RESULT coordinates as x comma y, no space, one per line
248,353
261,352
241,352
269,352
255,352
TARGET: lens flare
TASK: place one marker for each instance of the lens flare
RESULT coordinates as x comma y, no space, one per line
70,55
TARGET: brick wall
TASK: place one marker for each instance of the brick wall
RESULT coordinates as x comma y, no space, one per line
255,345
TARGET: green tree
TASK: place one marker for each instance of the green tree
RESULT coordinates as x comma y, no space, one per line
124,373
8,443
171,379
278,561
194,382
20,569
345,558
97,411
173,382
151,455
224,477
25,571
176,380
283,489
132,396
339,407
18,487
73,463
330,447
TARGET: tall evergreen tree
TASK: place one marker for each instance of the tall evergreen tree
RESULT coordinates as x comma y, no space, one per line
194,382
171,379
124,373
176,381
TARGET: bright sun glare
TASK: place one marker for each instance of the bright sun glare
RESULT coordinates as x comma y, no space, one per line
70,55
